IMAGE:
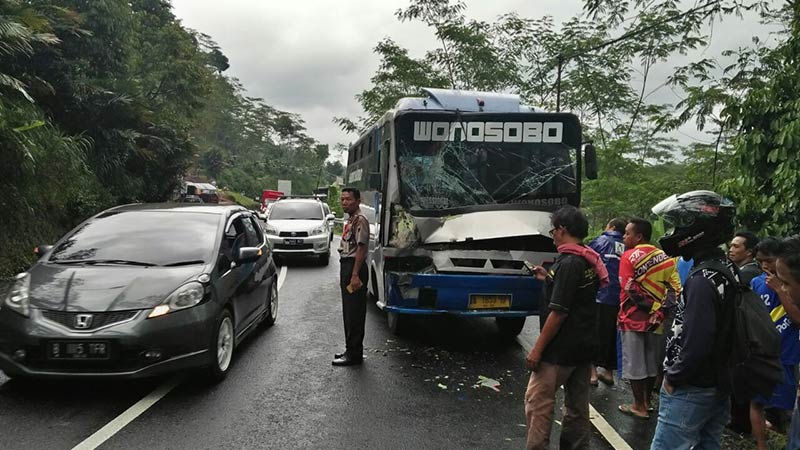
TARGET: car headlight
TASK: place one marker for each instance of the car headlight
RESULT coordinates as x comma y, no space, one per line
316,231
17,300
270,230
186,296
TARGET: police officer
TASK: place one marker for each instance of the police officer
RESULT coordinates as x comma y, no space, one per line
353,278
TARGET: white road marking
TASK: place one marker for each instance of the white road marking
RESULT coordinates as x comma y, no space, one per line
282,277
608,432
113,427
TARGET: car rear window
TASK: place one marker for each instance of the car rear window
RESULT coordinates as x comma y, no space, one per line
295,211
156,237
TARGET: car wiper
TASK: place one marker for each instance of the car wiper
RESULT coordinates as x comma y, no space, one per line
121,262
184,263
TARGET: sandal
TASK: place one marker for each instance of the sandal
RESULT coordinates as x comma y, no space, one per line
606,381
626,409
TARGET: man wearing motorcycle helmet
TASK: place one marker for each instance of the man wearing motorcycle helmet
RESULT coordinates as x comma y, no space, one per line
694,403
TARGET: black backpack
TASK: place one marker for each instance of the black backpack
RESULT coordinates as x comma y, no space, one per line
752,354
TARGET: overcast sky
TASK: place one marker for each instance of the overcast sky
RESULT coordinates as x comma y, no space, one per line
312,56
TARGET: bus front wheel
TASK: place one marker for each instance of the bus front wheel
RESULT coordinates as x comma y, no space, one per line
397,323
509,326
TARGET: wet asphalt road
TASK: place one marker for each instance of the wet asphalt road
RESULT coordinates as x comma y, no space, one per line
414,392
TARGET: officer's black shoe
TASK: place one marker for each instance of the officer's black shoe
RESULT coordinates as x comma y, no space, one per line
338,355
347,360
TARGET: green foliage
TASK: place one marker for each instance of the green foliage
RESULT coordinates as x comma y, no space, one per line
246,145
758,102
241,199
106,102
601,64
335,200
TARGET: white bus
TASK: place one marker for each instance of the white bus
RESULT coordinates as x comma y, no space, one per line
459,187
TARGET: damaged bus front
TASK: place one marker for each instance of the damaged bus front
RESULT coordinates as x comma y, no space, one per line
462,201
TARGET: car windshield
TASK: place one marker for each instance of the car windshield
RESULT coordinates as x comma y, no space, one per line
295,211
446,171
141,238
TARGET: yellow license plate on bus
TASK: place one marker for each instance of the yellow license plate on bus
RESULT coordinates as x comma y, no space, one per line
489,301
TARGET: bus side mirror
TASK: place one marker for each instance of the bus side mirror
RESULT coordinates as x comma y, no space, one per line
590,161
375,180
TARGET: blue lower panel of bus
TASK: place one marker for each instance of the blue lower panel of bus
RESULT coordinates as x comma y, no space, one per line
470,295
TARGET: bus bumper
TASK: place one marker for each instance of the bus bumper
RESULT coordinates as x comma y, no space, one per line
465,295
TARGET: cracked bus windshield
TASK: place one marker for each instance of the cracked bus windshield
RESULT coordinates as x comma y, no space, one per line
441,174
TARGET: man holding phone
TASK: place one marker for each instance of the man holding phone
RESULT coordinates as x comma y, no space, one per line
353,278
564,350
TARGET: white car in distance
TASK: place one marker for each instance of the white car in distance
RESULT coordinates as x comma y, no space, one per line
299,227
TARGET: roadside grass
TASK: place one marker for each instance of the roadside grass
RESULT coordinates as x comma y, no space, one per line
731,440
239,199
18,243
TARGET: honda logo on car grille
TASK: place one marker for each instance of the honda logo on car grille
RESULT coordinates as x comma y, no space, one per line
83,321
294,233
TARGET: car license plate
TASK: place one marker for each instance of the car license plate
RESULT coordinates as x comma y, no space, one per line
489,301
78,350
294,241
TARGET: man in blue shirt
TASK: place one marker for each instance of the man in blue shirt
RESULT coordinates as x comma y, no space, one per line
787,270
610,247
786,316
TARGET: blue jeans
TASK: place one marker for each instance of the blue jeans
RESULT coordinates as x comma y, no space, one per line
793,436
691,418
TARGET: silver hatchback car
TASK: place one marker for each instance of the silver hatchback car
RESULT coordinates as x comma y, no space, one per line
300,227
140,290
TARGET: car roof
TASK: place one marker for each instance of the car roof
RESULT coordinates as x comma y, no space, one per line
178,207
300,200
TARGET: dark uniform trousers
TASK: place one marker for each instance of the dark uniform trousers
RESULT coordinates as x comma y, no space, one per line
354,307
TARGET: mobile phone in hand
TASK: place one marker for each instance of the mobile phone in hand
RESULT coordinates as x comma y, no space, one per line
529,265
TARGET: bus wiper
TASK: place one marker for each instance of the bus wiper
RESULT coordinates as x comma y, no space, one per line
121,262
185,263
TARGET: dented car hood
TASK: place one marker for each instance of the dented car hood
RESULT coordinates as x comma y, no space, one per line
482,225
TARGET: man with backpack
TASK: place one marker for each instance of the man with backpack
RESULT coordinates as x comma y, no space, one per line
694,402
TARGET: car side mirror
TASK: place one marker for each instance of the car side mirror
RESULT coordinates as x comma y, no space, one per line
262,216
375,180
590,161
247,254
330,217
41,250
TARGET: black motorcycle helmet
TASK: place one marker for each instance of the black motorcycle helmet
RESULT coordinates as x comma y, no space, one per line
696,220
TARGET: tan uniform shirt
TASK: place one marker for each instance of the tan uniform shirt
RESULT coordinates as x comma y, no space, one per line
356,231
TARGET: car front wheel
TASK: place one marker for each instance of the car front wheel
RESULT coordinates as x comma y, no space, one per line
222,345
271,313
